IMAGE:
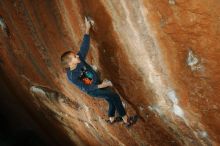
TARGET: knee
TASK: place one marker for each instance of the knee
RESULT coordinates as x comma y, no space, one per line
112,97
109,98
116,96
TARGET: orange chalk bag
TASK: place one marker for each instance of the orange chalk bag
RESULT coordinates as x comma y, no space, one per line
86,77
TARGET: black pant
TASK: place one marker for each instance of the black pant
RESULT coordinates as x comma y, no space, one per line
112,98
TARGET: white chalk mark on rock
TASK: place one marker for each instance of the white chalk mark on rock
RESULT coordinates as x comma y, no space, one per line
176,108
178,111
2,23
156,109
94,67
203,134
172,2
4,26
37,91
193,62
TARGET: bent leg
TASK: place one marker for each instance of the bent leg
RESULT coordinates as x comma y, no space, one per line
113,99
111,108
107,95
118,105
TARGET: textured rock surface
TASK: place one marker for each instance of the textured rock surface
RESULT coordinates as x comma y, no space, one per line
162,57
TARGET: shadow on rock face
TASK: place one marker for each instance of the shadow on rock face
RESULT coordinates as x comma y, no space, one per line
19,136
25,137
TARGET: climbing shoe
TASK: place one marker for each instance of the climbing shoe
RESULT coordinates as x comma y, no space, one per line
117,119
131,120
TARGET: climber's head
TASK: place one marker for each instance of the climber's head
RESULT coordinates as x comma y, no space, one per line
69,59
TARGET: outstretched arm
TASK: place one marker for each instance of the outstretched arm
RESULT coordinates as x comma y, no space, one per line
84,48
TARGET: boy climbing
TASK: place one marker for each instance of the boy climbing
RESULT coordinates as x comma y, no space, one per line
80,73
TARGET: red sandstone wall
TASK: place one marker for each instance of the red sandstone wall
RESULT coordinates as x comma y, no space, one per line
162,57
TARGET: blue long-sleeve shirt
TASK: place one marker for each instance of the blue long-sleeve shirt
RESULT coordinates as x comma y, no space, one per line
74,75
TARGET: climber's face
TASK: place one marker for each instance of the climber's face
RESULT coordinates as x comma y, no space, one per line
73,59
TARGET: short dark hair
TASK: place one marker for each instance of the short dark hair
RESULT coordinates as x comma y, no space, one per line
65,58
